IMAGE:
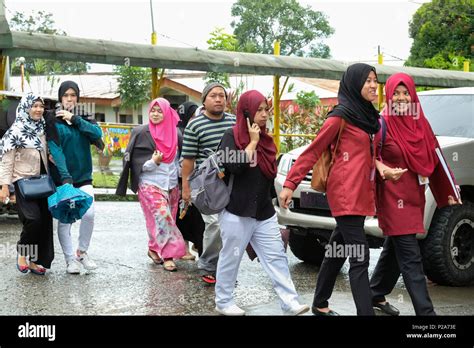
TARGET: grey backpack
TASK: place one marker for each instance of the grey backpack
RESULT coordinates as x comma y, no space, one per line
209,192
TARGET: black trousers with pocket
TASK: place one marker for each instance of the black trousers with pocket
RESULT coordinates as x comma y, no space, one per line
402,254
349,231
36,239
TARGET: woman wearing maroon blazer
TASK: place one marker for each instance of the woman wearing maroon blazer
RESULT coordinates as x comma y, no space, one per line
350,186
409,143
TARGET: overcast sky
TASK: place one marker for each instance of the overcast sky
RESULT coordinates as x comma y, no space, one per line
359,25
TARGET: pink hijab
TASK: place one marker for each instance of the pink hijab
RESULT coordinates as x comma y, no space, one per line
165,133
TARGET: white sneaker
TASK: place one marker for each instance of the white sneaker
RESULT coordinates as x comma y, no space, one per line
73,267
86,261
297,310
232,310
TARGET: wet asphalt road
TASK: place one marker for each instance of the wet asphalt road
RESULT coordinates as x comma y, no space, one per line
128,283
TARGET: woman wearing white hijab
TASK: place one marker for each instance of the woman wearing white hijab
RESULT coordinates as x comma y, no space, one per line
23,153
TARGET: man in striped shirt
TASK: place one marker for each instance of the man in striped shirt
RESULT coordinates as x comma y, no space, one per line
204,133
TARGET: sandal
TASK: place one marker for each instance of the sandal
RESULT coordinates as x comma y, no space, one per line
37,269
188,257
22,268
208,278
169,266
154,256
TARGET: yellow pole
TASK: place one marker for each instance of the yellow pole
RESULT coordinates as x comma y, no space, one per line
154,73
3,72
22,72
380,86
466,65
276,101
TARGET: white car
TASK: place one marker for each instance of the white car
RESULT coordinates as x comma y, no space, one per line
448,247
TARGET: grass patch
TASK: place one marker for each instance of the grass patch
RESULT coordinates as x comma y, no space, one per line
105,180
115,198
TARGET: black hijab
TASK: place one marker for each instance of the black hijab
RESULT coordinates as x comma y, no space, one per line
352,106
51,119
185,112
65,86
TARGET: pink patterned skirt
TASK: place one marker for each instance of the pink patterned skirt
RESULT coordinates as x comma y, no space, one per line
160,208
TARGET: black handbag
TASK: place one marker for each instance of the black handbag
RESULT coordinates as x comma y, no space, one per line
36,187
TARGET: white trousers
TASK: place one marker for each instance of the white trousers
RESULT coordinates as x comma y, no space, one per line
85,230
265,238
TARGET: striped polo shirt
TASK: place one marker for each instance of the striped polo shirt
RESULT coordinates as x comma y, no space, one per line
204,133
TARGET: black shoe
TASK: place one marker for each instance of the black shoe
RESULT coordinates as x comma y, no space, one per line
387,308
331,313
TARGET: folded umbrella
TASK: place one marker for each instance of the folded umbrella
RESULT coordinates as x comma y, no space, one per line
69,204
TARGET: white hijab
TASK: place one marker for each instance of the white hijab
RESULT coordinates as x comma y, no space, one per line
24,133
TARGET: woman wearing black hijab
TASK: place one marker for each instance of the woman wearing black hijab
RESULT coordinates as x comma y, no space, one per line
350,186
191,225
69,135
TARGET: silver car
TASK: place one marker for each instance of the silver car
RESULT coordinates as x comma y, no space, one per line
448,247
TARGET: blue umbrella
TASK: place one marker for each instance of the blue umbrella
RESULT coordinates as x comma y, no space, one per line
69,204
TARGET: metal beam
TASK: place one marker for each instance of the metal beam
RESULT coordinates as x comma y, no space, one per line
29,45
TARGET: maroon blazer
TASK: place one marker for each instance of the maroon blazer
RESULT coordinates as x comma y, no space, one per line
401,204
351,185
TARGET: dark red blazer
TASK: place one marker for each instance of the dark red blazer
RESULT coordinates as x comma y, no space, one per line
350,190
401,204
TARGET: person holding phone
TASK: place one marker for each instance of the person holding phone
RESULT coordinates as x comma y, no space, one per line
151,159
70,136
250,216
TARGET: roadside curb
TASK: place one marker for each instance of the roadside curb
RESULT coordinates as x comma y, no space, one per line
108,194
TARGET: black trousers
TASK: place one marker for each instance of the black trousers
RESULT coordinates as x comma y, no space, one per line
402,253
349,231
36,239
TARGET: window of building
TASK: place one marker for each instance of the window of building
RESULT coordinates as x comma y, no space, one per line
99,117
126,119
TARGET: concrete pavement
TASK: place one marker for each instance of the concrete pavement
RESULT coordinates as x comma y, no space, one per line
128,283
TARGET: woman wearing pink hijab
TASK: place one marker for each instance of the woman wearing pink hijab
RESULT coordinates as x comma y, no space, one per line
152,161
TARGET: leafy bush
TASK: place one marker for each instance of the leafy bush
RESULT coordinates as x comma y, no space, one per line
306,117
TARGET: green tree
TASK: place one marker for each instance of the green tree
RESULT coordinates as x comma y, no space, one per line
307,100
42,22
298,28
134,85
220,41
443,34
